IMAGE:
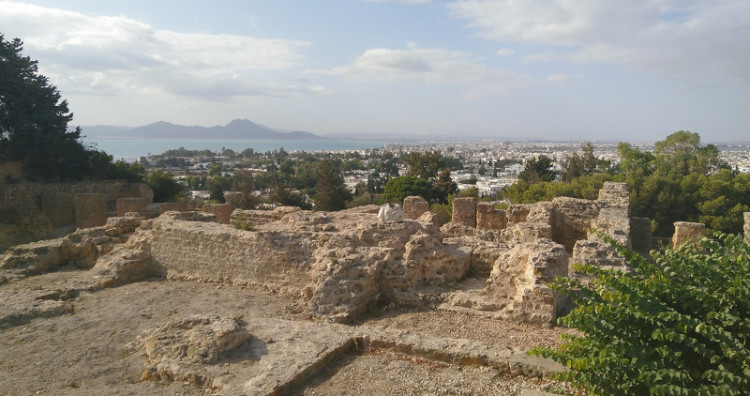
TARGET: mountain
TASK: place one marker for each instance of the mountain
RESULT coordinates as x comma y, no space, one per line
237,129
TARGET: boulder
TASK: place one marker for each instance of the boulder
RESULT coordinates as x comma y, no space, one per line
390,213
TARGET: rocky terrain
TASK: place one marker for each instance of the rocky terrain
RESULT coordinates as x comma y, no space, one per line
352,302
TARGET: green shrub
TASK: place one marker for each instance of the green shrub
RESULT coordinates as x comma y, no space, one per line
678,325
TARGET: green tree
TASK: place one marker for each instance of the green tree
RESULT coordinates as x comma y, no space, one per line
677,325
401,187
34,122
243,184
330,192
424,165
538,170
165,187
443,186
282,194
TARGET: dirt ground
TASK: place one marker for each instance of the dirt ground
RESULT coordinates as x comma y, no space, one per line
89,351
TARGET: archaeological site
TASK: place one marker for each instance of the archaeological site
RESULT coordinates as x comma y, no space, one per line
104,292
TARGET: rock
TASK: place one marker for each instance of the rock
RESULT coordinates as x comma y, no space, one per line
178,350
685,231
747,226
223,212
415,206
390,213
465,212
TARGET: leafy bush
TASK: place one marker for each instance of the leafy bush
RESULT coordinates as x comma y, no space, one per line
401,187
678,325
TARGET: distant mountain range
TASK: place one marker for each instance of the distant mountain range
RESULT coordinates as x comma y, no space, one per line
237,129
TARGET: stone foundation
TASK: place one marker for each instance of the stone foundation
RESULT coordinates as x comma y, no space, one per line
172,207
91,210
59,208
685,231
415,206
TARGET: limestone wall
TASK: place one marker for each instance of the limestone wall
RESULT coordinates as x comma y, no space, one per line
415,206
12,195
223,212
685,231
10,171
747,226
131,205
488,218
465,212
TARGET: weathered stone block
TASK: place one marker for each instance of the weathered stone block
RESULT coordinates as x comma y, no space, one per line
91,210
390,213
415,206
747,226
488,218
685,231
223,212
59,208
465,212
172,207
140,190
128,205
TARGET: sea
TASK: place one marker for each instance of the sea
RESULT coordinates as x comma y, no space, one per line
130,149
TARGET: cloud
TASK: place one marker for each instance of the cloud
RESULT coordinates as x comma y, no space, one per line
662,36
505,52
116,55
557,77
429,66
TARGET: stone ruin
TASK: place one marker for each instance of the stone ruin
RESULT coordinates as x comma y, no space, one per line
341,264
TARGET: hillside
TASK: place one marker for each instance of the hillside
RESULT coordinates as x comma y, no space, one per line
237,129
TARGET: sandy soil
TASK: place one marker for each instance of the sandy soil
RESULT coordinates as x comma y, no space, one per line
87,352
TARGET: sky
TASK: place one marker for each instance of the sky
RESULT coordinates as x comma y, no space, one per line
616,70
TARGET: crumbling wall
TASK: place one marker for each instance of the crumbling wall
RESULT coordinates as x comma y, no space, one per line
415,206
571,220
488,218
134,205
223,212
91,210
685,231
465,212
747,226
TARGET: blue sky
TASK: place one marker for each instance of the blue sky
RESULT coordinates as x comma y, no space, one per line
619,70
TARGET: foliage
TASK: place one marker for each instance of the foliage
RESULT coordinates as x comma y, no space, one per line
442,212
283,195
538,170
216,189
401,187
679,325
424,165
244,185
680,181
165,187
34,123
443,186
330,192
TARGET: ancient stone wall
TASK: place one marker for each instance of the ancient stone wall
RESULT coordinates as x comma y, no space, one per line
415,206
172,207
11,195
571,220
59,208
614,216
223,212
131,205
747,226
91,210
685,231
10,171
488,218
465,212
254,218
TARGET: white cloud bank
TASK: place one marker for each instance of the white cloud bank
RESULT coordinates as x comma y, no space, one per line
675,37
119,56
430,66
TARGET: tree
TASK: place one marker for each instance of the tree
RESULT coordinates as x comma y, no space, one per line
164,185
677,325
330,192
401,187
34,121
443,186
283,195
538,170
424,165
244,185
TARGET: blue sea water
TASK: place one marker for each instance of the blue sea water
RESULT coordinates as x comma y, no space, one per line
131,149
